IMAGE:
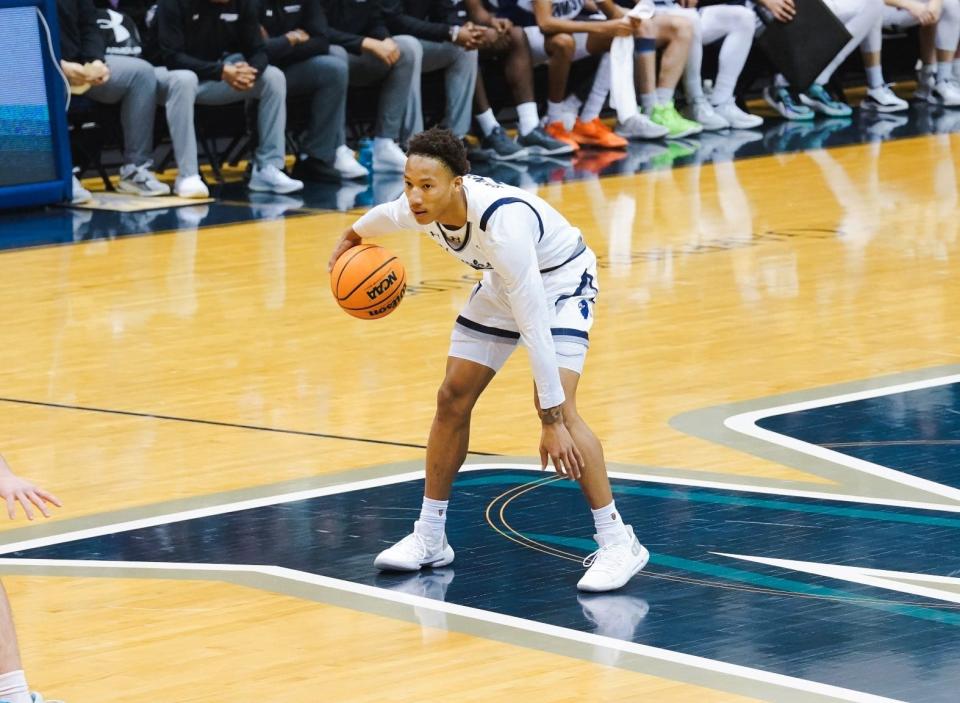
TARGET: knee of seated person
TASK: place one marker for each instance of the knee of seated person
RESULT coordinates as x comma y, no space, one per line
182,80
273,79
681,27
410,47
746,20
145,75
564,43
517,35
330,70
951,9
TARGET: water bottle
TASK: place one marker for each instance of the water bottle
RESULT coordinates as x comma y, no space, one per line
365,154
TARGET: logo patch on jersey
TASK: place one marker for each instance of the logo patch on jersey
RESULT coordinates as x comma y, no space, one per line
584,309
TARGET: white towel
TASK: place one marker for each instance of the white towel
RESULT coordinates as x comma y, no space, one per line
623,96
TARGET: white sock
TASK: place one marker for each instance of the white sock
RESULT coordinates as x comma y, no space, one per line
555,112
13,687
664,95
648,101
598,92
608,521
487,122
956,69
433,518
944,72
874,76
928,70
528,117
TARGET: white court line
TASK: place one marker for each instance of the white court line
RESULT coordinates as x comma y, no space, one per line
554,631
879,578
472,613
746,423
264,501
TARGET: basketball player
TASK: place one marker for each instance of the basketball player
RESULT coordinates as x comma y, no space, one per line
13,683
538,287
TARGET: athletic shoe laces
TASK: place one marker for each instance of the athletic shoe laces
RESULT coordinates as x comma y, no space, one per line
610,558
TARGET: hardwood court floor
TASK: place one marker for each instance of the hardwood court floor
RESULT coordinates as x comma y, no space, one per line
719,283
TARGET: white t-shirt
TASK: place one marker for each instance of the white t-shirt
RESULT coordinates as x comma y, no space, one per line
561,9
517,237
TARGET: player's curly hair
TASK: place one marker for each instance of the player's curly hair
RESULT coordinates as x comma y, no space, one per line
442,145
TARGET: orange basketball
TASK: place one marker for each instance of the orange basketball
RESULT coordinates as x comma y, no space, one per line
368,281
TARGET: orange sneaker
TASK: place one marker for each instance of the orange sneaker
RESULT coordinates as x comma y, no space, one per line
560,133
596,133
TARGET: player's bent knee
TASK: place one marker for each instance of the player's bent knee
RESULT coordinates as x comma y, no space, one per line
454,400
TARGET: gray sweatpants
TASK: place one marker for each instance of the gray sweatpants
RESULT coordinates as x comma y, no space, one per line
132,84
179,91
459,68
324,78
397,82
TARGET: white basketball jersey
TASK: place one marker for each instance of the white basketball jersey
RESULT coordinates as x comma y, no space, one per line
556,239
562,9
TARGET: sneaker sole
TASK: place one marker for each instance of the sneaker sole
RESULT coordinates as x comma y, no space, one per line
133,190
644,558
877,107
543,151
642,137
685,133
386,565
256,187
516,156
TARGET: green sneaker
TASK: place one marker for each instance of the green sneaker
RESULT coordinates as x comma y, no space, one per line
666,115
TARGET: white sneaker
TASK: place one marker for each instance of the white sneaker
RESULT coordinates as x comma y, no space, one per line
271,179
347,164
946,93
639,126
388,156
615,563
191,187
737,118
414,552
883,99
80,194
701,111
140,180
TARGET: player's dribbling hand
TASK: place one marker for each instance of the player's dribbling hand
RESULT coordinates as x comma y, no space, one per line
347,241
557,445
14,489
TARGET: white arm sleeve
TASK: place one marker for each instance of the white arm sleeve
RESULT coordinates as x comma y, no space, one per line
509,244
386,219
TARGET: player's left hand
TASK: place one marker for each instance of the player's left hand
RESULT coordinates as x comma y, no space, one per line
557,445
14,489
347,241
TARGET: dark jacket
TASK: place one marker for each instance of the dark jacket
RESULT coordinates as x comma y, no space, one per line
281,16
352,20
80,39
198,35
424,19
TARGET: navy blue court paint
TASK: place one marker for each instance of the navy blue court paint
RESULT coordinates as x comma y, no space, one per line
916,432
525,563
60,226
